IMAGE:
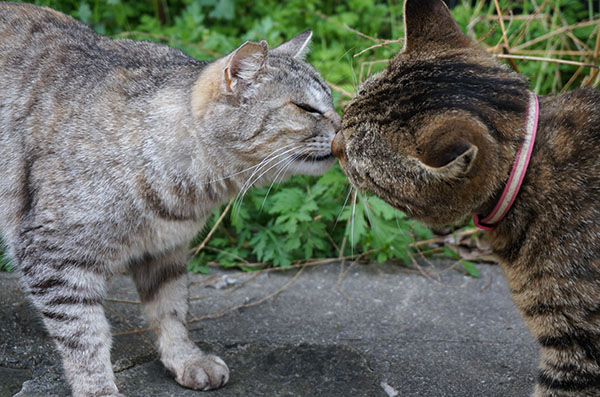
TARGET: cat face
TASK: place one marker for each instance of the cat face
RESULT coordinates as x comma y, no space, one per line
435,133
273,107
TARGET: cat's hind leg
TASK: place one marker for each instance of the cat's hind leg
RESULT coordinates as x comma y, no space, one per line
161,282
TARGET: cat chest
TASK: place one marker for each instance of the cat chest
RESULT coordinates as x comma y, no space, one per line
164,235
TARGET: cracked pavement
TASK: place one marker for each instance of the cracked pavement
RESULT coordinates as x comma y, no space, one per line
385,330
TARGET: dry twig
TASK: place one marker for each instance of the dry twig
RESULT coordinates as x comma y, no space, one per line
244,306
229,290
340,90
594,72
361,34
554,33
442,239
122,301
214,228
552,60
382,44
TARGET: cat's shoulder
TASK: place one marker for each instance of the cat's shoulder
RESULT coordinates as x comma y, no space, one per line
30,15
581,95
42,27
579,108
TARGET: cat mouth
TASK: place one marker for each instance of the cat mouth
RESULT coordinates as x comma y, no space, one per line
366,183
313,157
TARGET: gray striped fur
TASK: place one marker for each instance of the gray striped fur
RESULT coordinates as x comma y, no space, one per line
112,154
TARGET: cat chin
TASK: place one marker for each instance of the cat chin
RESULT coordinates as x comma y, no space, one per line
312,167
438,220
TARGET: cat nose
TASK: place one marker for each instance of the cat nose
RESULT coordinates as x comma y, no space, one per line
338,146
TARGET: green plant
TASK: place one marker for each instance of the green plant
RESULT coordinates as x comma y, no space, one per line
306,217
5,265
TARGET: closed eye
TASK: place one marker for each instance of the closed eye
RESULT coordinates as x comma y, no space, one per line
307,108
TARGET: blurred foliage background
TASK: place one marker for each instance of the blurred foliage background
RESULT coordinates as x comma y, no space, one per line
555,43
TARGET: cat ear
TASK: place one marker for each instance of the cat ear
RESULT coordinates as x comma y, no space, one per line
454,161
244,64
297,47
427,23
447,150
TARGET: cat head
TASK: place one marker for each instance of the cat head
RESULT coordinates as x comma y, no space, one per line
269,106
436,132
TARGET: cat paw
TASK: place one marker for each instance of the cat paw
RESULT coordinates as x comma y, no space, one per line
115,394
97,393
209,372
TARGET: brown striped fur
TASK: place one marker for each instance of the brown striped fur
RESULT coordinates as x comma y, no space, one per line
436,134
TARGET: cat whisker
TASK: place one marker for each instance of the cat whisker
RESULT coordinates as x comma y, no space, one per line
352,223
281,172
290,159
263,164
230,176
355,81
343,206
246,185
398,221
252,180
247,169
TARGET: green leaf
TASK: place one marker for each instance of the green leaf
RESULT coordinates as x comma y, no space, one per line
470,268
224,9
5,265
382,257
84,14
450,253
197,265
334,177
383,209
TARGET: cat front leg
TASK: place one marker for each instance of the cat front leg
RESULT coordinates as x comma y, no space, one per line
569,364
69,295
162,285
561,308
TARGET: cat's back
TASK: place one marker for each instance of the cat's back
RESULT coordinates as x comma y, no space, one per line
25,19
577,111
57,41
73,102
562,184
57,74
29,32
571,123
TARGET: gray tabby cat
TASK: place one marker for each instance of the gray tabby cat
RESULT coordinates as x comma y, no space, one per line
113,153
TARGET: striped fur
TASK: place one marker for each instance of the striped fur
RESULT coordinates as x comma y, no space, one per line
441,148
112,154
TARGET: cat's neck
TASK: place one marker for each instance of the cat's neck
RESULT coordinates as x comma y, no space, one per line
489,220
182,158
563,159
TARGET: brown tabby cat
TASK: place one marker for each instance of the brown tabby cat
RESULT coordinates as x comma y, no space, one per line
446,131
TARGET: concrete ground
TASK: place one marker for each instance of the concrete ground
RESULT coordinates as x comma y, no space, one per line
377,330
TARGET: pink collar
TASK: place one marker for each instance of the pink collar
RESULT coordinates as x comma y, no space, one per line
518,171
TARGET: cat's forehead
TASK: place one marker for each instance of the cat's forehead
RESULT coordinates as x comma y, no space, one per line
369,83
301,76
